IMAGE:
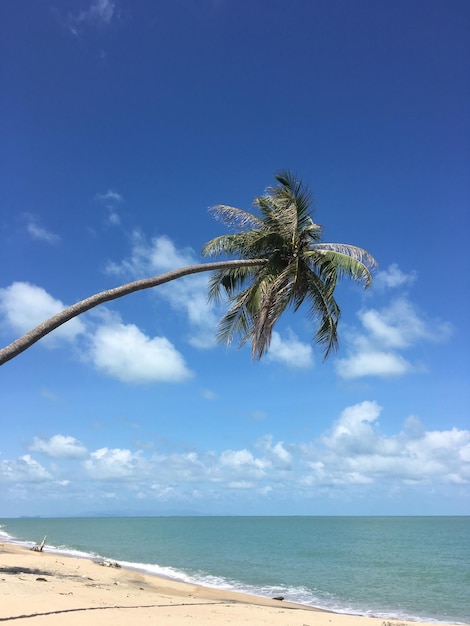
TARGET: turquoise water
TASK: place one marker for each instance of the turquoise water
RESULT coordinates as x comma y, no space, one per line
391,567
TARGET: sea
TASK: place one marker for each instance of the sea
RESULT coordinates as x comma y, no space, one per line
405,568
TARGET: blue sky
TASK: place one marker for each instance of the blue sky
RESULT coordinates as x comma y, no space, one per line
122,123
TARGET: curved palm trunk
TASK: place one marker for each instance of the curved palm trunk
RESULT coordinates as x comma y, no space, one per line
30,338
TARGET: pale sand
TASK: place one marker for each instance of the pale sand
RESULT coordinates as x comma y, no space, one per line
38,588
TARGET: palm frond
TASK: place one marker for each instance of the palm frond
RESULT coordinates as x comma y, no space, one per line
294,190
346,260
312,232
323,307
235,322
227,244
353,251
279,213
272,300
235,218
228,281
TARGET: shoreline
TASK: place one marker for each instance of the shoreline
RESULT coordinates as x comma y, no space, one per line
57,588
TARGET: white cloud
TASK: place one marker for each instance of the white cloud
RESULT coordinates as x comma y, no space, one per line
372,363
111,464
240,484
187,295
24,306
208,394
374,351
50,395
243,464
277,454
160,255
126,353
356,451
352,431
113,217
290,351
163,492
40,233
186,467
399,326
23,470
99,12
110,197
60,447
393,277
164,256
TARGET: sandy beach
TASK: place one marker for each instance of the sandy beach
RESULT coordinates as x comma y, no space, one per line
39,588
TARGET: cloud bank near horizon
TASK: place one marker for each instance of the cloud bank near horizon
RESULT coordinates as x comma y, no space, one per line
353,454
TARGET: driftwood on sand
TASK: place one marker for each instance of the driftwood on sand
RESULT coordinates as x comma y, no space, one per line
40,547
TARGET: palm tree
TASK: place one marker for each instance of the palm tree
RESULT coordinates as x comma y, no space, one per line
298,267
282,262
